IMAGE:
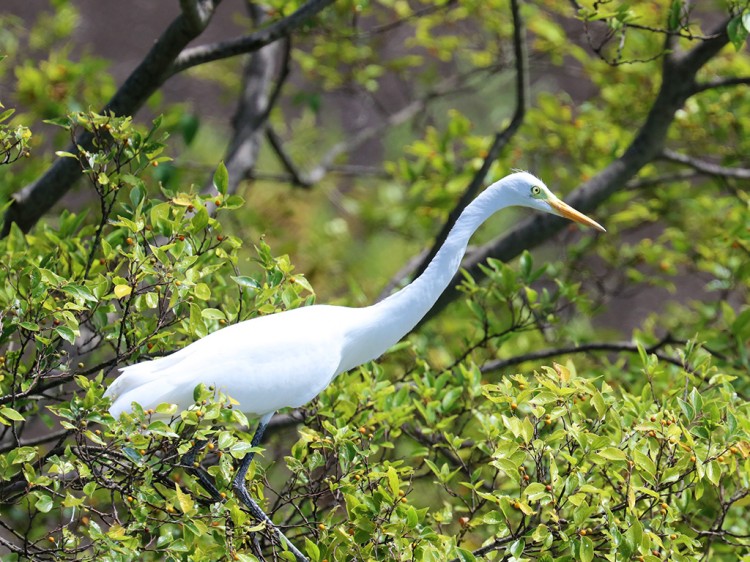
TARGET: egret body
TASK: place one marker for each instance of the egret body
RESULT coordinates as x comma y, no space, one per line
287,359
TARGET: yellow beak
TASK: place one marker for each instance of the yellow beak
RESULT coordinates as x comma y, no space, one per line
565,210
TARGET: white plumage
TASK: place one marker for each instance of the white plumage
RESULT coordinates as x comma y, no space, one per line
286,359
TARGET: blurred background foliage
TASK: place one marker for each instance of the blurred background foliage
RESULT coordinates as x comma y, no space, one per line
585,401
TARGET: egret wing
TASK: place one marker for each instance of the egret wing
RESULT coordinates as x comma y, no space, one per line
265,364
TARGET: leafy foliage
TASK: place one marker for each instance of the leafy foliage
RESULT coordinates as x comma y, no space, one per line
14,141
523,424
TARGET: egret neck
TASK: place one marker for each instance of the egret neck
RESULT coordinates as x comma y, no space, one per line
392,318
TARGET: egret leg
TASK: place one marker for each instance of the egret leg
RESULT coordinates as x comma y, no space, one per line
240,488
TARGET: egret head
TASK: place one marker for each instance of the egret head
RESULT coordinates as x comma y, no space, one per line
530,191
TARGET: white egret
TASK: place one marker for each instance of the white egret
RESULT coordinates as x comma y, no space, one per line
286,359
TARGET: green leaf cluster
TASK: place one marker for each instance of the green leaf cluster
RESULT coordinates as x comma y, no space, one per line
549,415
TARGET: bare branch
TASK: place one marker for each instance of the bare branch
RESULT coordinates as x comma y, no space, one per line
705,167
640,183
617,347
326,163
254,106
721,83
297,178
198,12
249,43
363,135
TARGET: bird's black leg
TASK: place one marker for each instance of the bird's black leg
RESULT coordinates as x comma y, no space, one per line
238,484
188,461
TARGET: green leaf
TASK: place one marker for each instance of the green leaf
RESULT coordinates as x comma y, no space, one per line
464,555
516,549
687,409
151,299
451,397
526,264
494,517
312,549
737,31
44,503
11,414
189,124
696,400
122,291
185,501
66,333
393,481
612,454
233,202
675,14
598,402
202,291
540,533
197,326
643,462
535,491
412,517
199,220
79,291
245,281
213,314
160,213
221,178
713,472
586,552
741,324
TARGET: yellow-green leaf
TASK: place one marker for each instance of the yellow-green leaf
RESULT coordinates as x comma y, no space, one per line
613,454
393,481
11,414
122,291
184,500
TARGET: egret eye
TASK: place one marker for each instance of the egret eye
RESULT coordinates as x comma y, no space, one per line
536,191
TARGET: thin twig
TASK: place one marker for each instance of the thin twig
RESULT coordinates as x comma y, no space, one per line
720,83
705,167
446,87
628,347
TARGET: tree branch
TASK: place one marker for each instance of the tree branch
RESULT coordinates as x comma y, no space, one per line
198,12
679,72
720,83
640,183
167,57
277,145
499,142
326,163
617,347
254,106
249,43
31,202
705,167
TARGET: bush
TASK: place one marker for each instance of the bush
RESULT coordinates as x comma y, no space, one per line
633,455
